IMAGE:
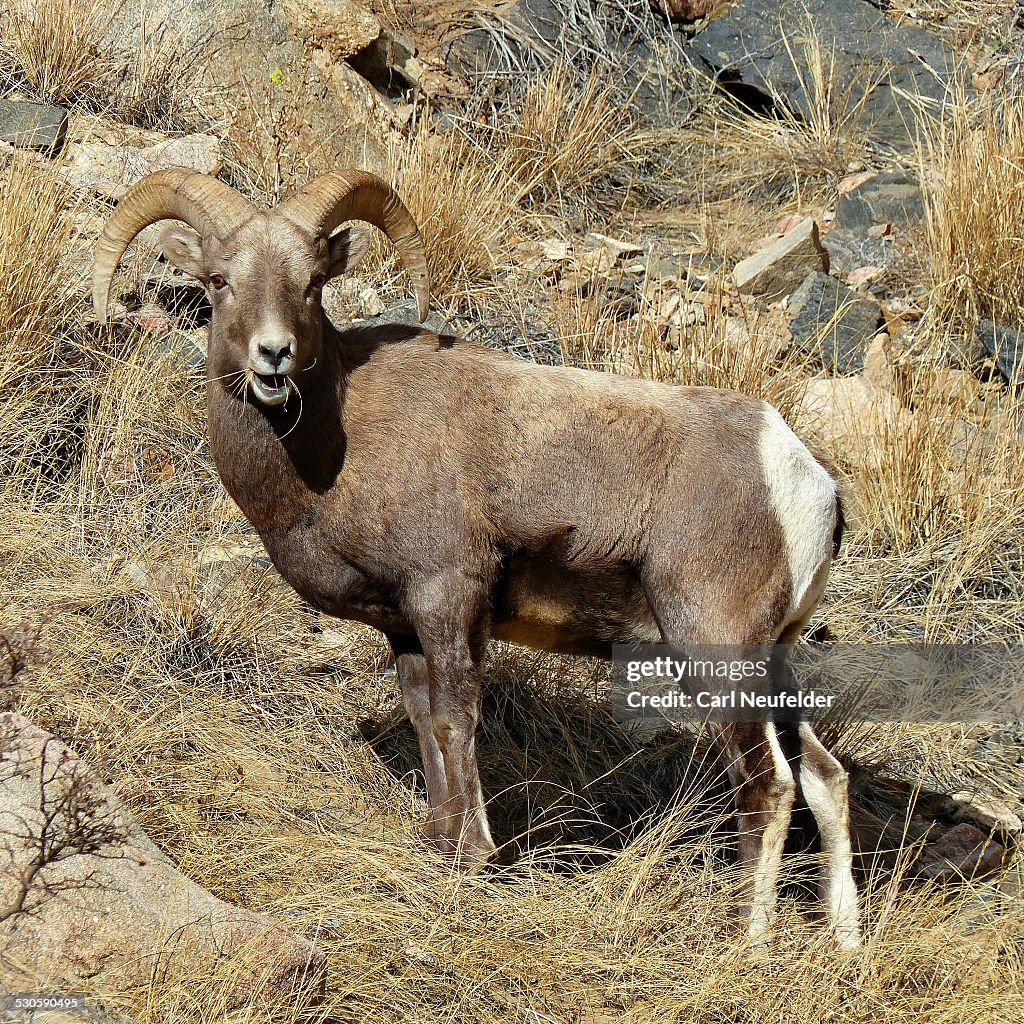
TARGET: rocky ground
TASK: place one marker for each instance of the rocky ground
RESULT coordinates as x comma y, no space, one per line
210,804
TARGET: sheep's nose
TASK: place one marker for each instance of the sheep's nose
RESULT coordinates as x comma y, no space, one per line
275,355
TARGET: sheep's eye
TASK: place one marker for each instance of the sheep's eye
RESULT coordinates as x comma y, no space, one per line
217,281
318,281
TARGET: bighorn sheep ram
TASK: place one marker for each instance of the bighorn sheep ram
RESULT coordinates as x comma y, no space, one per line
445,493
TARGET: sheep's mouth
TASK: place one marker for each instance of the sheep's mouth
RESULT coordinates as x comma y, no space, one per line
270,388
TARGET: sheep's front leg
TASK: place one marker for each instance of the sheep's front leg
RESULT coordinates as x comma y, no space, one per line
454,715
414,679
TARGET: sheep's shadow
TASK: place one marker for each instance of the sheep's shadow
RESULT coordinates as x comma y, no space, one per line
564,781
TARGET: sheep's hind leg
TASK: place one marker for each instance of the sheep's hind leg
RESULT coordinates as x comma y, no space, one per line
825,789
414,680
764,790
763,784
823,783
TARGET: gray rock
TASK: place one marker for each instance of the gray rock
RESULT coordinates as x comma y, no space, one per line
405,313
889,198
779,269
132,24
850,250
833,322
748,46
695,267
88,900
185,346
1007,345
967,351
39,126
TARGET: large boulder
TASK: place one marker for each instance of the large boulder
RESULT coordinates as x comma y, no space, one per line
277,67
880,62
330,115
341,27
634,53
86,899
109,171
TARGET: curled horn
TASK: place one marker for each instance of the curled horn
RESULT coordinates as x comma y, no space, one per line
205,204
329,200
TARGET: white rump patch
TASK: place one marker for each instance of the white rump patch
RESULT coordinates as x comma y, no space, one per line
803,496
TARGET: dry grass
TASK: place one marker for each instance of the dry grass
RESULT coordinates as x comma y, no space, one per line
464,204
566,141
975,211
463,201
58,48
84,54
161,77
938,544
36,291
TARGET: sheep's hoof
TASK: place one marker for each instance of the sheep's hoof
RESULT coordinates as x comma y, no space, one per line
465,855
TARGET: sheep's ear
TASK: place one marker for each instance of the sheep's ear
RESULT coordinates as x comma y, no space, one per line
346,249
183,248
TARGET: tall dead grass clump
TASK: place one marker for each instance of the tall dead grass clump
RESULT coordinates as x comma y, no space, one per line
57,48
744,352
463,203
162,74
567,140
974,205
35,287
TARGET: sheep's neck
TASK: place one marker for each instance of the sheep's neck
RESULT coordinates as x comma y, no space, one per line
278,463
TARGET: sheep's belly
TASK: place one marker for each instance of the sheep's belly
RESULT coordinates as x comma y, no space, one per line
546,605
